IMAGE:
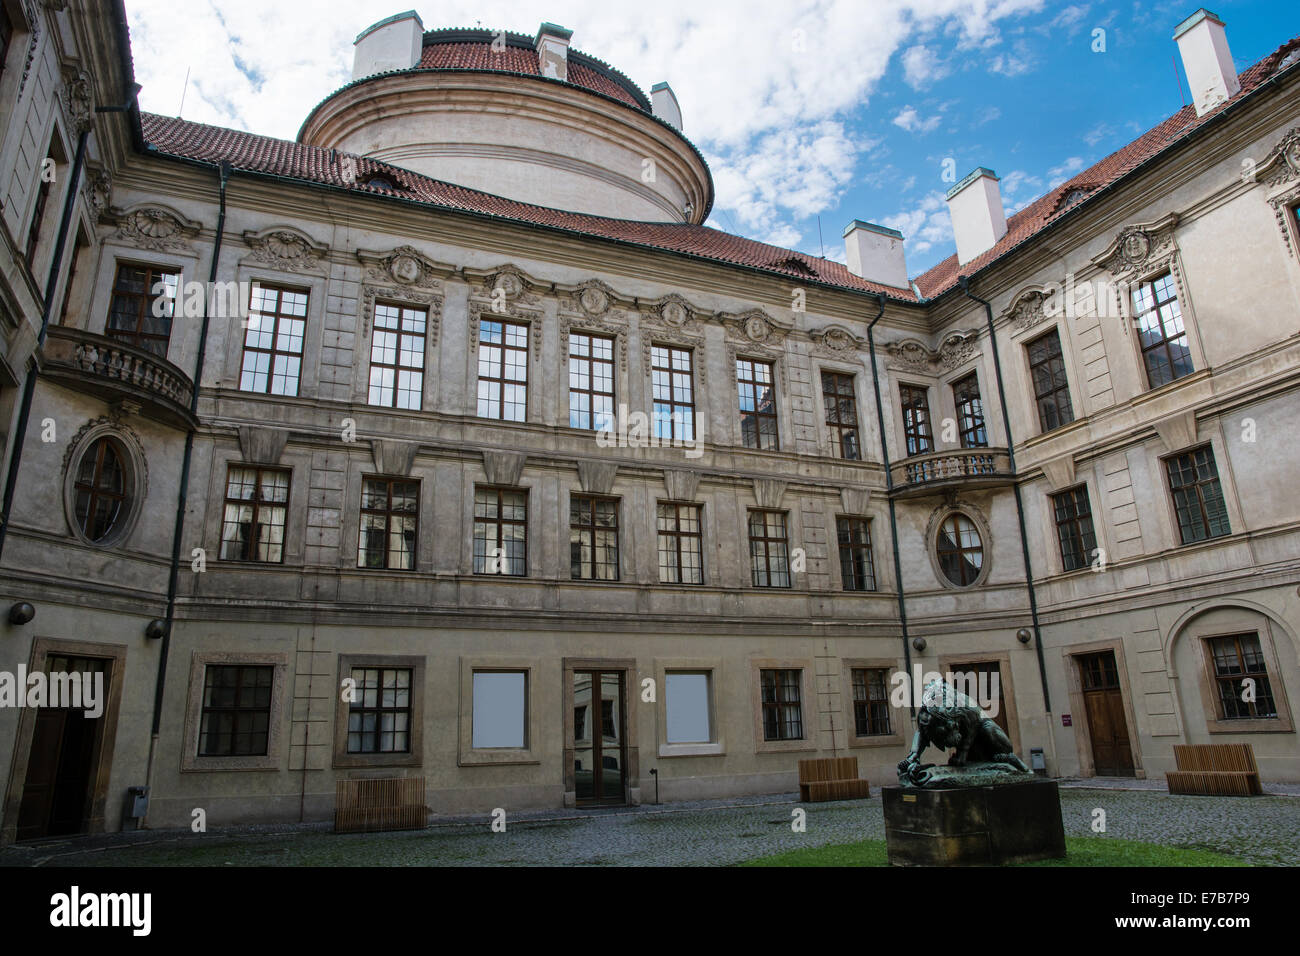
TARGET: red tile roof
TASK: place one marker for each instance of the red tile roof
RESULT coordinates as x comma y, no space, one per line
1045,210
474,50
262,154
313,164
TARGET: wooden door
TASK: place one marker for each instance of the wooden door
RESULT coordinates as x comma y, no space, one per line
1103,701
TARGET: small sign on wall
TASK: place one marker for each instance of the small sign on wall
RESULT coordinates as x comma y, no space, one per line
1065,720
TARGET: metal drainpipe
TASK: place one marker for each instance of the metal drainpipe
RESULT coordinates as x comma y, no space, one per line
29,386
178,527
964,282
889,485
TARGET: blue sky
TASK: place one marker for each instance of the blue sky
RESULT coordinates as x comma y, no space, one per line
807,110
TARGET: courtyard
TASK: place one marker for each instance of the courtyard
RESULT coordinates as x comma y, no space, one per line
1156,827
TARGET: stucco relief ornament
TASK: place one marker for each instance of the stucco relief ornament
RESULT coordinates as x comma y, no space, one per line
674,313
957,349
1028,311
911,355
77,98
285,250
836,341
405,269
154,228
593,301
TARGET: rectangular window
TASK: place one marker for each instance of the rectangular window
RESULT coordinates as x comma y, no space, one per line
1051,388
144,301
38,221
1074,527
1238,659
277,322
681,543
593,538
1159,320
397,356
236,716
257,501
870,702
782,708
500,710
687,707
769,551
379,716
970,412
915,401
503,370
855,554
755,382
500,531
841,415
390,513
1198,496
591,382
673,393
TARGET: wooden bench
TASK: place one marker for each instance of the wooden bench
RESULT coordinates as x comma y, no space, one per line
379,803
1221,770
832,778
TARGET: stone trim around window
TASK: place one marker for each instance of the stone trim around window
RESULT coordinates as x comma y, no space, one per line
713,666
414,758
1263,628
981,522
807,700
898,724
273,759
466,754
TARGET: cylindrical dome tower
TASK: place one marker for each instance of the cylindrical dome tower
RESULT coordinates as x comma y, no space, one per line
523,117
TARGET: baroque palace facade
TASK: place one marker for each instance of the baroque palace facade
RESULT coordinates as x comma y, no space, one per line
447,442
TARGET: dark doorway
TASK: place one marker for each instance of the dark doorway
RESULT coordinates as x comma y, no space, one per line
63,762
1103,702
599,741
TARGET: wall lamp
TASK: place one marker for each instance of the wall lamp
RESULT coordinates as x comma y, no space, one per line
21,613
1023,635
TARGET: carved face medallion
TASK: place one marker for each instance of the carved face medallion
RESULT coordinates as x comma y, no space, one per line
756,329
674,314
593,301
1136,246
508,283
405,269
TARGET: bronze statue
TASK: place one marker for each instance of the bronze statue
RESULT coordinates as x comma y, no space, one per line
983,754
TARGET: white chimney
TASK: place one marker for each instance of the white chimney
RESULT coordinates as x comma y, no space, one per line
1203,45
978,220
663,103
552,44
394,43
875,253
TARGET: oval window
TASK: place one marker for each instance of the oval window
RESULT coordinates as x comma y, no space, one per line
960,549
101,499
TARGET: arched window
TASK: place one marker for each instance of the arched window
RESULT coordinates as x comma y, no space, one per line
100,486
960,550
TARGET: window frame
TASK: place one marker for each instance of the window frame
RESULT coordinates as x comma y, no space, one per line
1173,490
677,535
758,417
414,757
914,405
767,542
1163,345
205,709
937,522
865,548
396,367
1218,680
154,274
591,392
1076,520
835,428
781,683
1057,390
673,405
388,513
500,524
591,527
124,499
1226,620
257,505
191,760
969,433
470,756
275,351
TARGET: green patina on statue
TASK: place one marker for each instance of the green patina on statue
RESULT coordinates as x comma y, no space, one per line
951,720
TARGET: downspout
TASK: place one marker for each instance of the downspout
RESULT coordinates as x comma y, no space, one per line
29,386
964,282
889,485
178,526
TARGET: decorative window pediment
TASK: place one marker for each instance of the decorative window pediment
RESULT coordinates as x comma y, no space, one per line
286,249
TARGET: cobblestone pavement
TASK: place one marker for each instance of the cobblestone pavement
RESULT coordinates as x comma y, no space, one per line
1262,830
1156,783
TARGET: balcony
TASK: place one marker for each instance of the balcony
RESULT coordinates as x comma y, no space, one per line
117,372
955,469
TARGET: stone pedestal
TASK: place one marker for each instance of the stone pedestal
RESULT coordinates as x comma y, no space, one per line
974,826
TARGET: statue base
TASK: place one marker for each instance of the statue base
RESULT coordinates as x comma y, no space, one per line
974,826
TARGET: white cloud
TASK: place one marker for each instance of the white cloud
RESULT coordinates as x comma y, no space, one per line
757,97
1098,133
1059,174
910,120
924,225
921,67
